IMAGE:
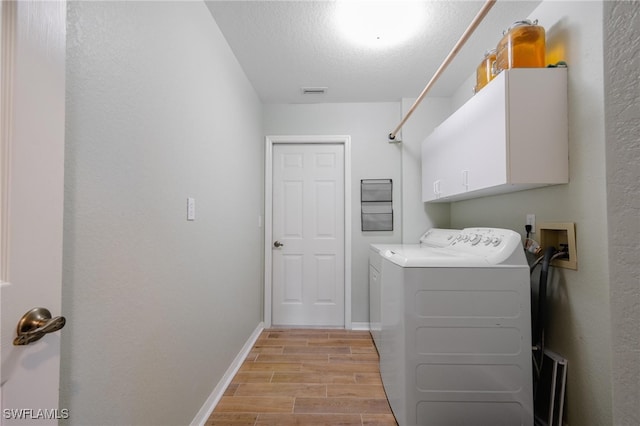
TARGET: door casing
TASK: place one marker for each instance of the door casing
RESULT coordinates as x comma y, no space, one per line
344,140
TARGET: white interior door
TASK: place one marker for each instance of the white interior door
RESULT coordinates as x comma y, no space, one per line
32,162
308,228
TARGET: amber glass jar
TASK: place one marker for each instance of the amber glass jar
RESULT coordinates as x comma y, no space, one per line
484,72
522,46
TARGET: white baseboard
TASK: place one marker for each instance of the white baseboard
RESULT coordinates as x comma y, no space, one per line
218,391
360,326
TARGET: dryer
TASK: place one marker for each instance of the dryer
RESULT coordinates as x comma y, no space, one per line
455,329
432,238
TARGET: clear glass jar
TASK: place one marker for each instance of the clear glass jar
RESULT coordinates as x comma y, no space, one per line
522,46
484,72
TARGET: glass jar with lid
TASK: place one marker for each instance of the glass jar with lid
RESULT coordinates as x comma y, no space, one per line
484,71
522,46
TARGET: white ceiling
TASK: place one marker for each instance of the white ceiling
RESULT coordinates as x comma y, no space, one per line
286,45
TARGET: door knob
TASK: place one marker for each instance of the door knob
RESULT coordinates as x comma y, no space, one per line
35,324
277,244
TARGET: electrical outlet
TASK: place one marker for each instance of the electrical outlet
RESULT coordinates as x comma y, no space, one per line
531,220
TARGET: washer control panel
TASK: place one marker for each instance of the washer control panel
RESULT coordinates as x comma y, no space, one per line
437,237
486,242
491,246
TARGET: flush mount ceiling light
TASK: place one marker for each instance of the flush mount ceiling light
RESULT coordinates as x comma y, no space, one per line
381,24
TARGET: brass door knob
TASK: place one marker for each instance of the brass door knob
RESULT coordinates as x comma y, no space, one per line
35,324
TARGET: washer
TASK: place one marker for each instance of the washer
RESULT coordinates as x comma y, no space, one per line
451,321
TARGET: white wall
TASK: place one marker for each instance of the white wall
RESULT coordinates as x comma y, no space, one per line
622,103
158,110
417,216
372,158
580,314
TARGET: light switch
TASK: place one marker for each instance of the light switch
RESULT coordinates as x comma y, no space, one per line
191,209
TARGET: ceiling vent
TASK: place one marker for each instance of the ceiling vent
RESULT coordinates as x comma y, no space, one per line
314,90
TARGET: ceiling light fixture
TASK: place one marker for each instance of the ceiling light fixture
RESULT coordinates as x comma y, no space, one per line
381,24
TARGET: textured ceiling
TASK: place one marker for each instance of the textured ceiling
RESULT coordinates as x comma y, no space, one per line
286,45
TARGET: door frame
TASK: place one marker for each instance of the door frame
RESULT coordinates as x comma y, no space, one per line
343,140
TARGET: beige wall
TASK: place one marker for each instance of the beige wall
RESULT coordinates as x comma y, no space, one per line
158,110
622,104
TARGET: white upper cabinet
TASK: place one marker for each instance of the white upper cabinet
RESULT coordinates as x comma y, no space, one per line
512,135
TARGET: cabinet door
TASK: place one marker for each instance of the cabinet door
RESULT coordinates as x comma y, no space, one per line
485,150
468,151
434,165
443,152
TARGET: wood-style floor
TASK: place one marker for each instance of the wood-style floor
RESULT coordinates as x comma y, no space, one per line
307,377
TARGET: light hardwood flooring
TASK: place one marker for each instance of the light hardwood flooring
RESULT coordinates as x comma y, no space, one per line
307,377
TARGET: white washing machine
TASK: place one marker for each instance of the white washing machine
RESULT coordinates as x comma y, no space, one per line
453,328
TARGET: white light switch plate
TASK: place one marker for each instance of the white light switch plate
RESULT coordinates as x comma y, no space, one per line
191,209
